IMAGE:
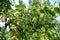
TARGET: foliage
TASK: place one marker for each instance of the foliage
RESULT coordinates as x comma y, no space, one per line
35,23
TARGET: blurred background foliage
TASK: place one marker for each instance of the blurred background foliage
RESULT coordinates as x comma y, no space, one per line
37,22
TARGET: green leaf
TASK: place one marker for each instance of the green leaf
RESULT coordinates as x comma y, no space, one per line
51,12
57,10
50,33
20,6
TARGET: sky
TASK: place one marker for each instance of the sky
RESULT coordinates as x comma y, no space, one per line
26,3
58,0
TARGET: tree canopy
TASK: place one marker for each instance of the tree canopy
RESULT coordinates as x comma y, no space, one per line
37,22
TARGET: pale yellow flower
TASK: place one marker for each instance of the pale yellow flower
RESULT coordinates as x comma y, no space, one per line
13,27
26,10
41,15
